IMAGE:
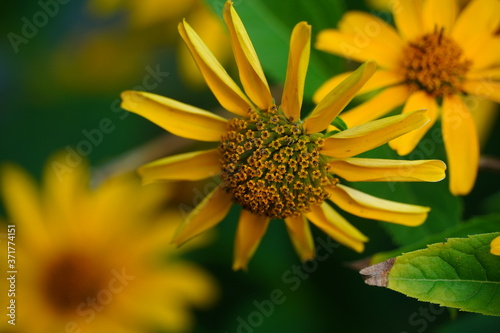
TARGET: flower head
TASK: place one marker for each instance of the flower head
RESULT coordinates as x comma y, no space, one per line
272,163
95,260
435,60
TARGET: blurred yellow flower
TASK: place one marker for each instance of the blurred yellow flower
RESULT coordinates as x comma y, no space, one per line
440,58
273,164
495,246
152,22
95,260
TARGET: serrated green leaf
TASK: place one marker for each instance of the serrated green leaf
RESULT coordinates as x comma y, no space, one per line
476,225
461,273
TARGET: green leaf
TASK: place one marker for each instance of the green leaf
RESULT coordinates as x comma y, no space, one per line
476,225
339,123
270,34
461,273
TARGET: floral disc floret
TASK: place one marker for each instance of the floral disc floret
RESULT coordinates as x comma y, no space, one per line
434,63
271,166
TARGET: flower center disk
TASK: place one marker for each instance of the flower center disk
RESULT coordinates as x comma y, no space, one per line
70,281
434,63
271,167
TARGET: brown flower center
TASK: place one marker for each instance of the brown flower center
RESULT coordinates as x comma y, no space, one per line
71,280
434,63
271,166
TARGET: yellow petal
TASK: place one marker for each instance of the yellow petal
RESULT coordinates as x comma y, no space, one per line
300,234
22,203
377,106
408,18
224,88
376,170
212,31
251,228
485,60
332,223
380,79
178,118
359,139
486,89
462,144
298,60
484,74
367,206
418,100
188,166
373,28
477,22
206,215
337,99
439,14
495,246
359,45
251,74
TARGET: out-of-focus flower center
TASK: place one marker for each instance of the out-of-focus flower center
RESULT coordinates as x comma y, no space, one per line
434,63
271,166
70,281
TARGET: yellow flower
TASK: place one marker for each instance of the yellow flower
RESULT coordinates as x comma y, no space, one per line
441,58
270,162
95,260
152,20
495,246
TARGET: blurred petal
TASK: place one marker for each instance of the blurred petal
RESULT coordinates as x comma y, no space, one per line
332,223
377,106
223,87
437,14
367,206
359,139
22,203
358,47
251,74
488,74
485,60
178,118
298,60
376,170
485,113
418,100
251,228
337,99
300,234
206,215
408,18
373,28
477,22
495,246
188,166
462,144
380,79
483,88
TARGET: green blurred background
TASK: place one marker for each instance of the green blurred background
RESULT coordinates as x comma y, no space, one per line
59,84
